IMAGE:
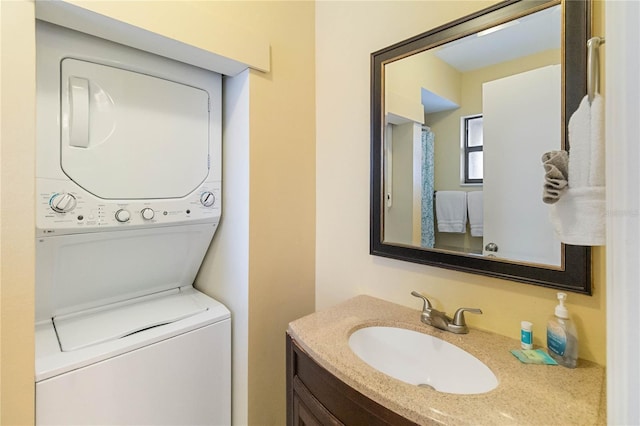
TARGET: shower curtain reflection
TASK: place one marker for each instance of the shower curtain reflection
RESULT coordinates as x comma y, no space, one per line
427,220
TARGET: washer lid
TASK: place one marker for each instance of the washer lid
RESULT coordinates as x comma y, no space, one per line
127,135
79,330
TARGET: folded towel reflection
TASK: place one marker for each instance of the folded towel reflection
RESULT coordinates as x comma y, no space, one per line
556,165
476,213
451,211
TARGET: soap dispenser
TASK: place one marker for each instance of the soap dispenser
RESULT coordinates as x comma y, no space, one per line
562,339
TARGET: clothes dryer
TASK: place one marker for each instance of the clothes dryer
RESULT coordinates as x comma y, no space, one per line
128,187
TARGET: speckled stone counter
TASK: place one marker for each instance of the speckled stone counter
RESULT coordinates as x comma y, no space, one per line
526,393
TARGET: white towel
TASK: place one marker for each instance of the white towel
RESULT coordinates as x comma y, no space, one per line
586,145
451,211
579,216
476,214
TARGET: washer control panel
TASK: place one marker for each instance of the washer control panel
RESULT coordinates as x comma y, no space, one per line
64,208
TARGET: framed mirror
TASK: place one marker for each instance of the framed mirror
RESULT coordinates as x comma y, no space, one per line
460,118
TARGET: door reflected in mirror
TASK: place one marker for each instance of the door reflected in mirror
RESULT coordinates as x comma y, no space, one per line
465,126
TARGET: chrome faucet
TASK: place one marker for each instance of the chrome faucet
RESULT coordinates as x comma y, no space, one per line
438,319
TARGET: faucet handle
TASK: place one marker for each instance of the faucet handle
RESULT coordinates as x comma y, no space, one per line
458,317
426,305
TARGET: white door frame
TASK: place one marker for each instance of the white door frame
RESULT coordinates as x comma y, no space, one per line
622,61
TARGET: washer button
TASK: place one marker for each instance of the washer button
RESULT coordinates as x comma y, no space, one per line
123,215
62,202
207,199
147,213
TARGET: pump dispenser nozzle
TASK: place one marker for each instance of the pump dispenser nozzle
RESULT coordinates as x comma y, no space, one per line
561,310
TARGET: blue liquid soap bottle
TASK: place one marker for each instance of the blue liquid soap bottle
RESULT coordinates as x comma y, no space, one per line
562,339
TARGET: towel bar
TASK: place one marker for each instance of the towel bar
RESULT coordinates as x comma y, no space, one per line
593,66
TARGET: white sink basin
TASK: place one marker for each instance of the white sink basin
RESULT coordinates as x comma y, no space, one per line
422,360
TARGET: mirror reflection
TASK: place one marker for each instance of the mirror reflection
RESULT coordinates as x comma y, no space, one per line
465,126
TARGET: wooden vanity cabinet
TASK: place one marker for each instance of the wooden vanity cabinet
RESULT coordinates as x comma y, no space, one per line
317,397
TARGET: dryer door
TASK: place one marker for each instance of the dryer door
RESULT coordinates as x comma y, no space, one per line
127,135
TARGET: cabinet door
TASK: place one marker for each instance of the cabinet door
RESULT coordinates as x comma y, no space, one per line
317,397
314,415
301,414
307,410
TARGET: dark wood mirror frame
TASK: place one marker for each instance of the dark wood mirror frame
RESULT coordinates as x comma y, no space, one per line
575,273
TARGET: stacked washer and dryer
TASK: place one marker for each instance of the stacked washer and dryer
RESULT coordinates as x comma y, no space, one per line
128,191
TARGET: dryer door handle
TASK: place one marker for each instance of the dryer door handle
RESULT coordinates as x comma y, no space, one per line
79,112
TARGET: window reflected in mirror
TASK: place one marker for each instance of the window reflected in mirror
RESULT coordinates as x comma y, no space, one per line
471,142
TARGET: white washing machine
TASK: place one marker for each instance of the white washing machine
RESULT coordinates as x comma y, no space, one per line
128,199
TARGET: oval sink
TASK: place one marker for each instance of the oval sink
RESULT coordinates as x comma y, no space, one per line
422,360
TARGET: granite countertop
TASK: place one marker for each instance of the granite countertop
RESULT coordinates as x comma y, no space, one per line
526,393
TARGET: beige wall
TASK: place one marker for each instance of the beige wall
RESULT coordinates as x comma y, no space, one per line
408,76
282,179
346,34
17,202
282,197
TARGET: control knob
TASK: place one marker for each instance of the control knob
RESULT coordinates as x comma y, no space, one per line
147,213
123,215
62,202
207,198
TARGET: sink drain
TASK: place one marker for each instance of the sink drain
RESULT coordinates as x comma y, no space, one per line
424,385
